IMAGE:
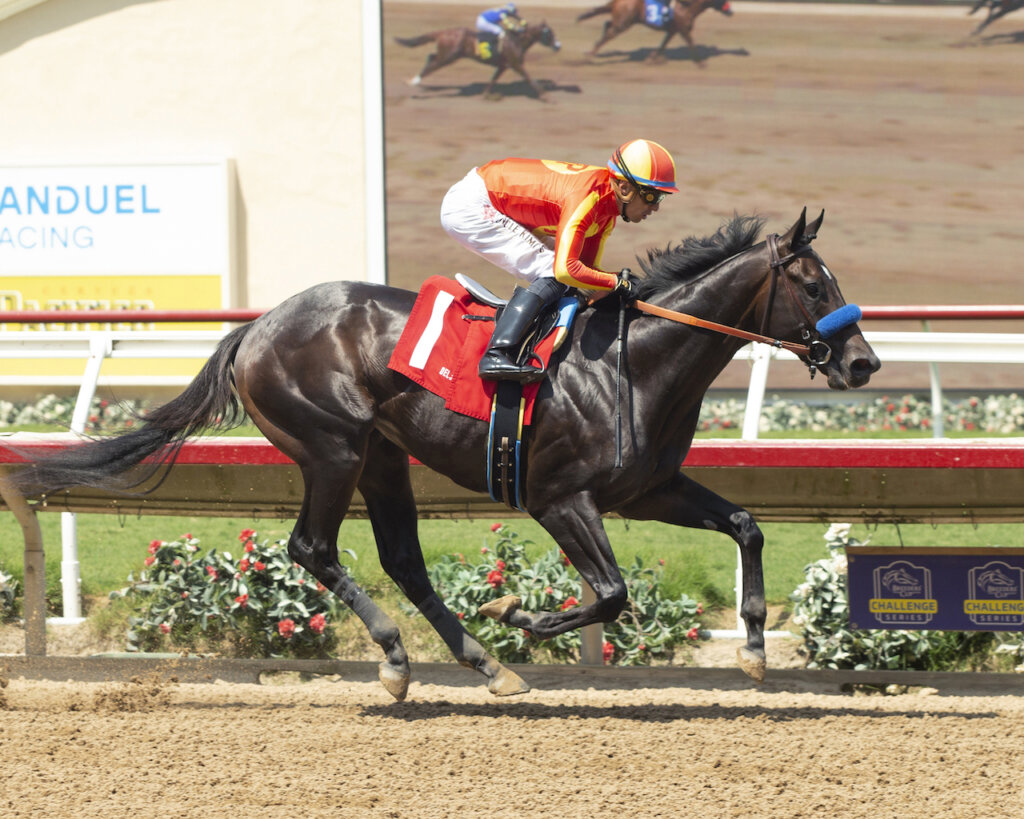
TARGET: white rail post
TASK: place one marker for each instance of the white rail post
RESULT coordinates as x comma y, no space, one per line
592,636
755,391
938,421
100,347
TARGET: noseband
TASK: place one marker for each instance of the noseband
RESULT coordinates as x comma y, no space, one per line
815,352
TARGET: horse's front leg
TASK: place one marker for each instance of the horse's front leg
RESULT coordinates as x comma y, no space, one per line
577,528
521,70
489,91
684,502
659,53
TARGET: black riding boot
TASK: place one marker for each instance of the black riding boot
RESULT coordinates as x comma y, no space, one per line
499,362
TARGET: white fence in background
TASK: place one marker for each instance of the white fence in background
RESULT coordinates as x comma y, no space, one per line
96,346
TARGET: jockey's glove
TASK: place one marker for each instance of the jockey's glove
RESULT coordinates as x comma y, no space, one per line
625,286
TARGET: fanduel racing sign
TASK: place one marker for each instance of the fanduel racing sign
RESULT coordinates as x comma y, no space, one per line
115,219
944,589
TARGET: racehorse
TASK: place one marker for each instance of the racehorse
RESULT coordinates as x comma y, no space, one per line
626,13
313,375
453,44
996,9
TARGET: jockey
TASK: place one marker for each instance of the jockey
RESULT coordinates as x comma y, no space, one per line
547,222
495,22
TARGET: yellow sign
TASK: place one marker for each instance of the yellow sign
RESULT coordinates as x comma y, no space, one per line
150,292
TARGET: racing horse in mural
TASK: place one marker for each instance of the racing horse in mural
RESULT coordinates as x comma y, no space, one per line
453,44
673,17
995,10
313,375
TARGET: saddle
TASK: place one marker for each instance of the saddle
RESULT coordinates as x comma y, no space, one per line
506,447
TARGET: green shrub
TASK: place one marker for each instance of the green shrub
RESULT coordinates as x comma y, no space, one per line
8,596
262,605
821,611
651,626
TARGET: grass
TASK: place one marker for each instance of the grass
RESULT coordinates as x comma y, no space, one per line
699,563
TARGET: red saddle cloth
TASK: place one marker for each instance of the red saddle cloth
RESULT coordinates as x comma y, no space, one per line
441,347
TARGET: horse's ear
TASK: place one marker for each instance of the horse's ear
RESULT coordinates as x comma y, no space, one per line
811,231
796,233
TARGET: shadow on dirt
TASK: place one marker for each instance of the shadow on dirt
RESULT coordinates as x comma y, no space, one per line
519,88
697,54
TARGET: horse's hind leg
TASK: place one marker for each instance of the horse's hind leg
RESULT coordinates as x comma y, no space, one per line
314,546
387,491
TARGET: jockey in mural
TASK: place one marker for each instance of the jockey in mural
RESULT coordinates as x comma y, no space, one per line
546,222
493,24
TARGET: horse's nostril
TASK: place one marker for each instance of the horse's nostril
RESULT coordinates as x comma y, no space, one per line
863,367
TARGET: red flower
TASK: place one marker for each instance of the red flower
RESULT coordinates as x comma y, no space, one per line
460,615
642,647
484,550
242,600
177,562
246,534
499,565
495,578
187,536
166,629
700,608
212,572
692,634
184,595
249,547
565,558
607,652
154,546
569,603
495,527
243,565
320,587
317,623
149,561
259,566
286,628
548,590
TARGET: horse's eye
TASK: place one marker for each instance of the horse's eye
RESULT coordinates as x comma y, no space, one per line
813,290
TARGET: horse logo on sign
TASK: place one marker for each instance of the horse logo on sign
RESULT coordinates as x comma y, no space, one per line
902,595
995,595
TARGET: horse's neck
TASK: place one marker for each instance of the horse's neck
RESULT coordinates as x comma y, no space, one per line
725,295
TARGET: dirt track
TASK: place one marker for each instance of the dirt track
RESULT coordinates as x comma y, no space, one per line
341,749
908,134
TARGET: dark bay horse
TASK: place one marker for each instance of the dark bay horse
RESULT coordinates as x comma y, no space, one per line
312,374
453,44
627,13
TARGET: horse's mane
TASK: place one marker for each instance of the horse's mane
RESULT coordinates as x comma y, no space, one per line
693,256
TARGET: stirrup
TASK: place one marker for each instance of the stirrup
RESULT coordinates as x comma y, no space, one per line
496,366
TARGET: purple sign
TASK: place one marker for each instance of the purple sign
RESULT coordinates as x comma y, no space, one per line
943,589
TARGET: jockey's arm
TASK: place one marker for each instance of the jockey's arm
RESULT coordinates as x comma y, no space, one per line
576,253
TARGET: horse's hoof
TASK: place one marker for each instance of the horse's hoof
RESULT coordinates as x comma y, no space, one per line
502,608
507,683
753,665
414,81
396,682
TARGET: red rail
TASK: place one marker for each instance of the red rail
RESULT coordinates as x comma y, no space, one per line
871,313
915,453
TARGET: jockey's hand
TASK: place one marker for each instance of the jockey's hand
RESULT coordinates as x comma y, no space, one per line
625,286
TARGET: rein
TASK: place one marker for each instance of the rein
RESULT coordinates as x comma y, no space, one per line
816,353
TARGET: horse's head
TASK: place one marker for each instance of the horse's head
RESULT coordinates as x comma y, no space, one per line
801,302
545,36
722,6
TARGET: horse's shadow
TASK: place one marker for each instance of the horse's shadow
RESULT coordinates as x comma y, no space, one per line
517,88
682,53
1009,38
646,713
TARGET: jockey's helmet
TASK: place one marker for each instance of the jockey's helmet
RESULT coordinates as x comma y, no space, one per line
509,8
646,164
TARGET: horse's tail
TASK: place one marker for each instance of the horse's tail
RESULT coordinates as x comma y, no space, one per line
605,9
209,402
412,42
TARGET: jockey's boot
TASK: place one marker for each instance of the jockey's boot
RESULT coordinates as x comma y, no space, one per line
498,363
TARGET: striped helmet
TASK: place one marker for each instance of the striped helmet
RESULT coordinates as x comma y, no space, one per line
645,164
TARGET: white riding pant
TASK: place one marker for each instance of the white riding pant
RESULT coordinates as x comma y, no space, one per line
469,217
487,26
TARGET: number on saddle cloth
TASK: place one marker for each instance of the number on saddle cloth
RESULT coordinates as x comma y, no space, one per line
657,14
486,45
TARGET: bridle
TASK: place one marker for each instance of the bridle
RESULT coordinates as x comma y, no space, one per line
815,352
